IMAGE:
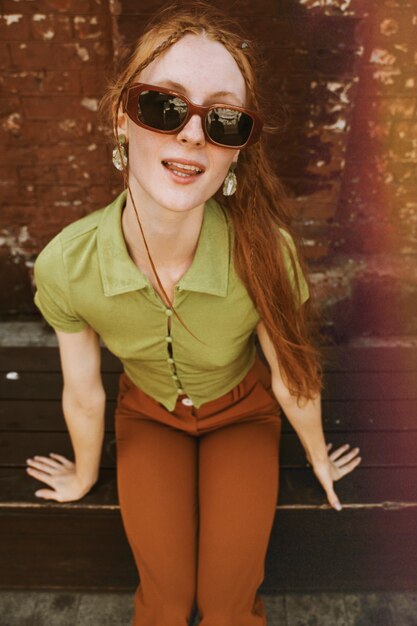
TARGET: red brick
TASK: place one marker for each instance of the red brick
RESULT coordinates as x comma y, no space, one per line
93,83
41,81
31,54
69,154
92,26
46,132
67,82
379,108
84,172
405,129
404,171
59,6
309,208
23,6
18,214
14,27
9,105
35,175
16,156
392,27
79,6
76,131
10,194
49,27
52,194
58,107
5,60
389,81
88,53
8,176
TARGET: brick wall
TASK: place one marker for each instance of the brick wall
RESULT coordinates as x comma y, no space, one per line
55,55
345,72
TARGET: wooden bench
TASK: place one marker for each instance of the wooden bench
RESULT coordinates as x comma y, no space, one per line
369,401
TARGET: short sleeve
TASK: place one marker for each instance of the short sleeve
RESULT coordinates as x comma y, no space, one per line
52,295
304,290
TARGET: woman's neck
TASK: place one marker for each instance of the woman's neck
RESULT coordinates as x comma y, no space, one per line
171,236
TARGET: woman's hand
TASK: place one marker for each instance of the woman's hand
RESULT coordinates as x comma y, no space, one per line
334,468
59,473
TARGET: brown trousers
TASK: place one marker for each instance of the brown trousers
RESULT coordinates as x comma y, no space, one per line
198,490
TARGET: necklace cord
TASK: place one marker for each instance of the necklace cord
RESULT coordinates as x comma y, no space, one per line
168,301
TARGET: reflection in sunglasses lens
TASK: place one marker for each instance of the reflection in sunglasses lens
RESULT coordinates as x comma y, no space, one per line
161,110
229,127
166,112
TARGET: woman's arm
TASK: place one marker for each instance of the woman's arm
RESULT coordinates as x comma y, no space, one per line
307,423
83,402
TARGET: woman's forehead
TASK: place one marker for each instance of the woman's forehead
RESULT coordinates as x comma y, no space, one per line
200,66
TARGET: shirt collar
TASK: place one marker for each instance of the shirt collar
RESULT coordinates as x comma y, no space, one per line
208,273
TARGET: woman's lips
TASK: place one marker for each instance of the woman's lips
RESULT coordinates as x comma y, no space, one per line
184,171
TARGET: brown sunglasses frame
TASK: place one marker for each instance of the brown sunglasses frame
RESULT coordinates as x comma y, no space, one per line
132,93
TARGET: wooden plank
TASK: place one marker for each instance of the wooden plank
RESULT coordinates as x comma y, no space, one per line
370,487
41,415
354,549
366,359
377,449
46,359
370,386
78,561
307,551
338,415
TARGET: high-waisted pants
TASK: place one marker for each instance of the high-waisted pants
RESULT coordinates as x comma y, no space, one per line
198,490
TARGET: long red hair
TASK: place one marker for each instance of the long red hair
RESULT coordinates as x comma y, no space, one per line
258,209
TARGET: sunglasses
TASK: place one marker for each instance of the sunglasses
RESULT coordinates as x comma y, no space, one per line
166,111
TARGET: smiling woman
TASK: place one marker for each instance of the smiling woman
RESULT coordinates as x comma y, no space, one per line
177,275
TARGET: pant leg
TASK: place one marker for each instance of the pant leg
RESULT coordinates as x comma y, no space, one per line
157,488
238,490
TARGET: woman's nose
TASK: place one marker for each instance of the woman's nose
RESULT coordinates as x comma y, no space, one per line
192,132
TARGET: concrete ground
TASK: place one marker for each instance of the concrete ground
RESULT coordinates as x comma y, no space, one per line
61,608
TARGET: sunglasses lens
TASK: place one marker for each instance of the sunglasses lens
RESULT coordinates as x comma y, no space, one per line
161,111
229,127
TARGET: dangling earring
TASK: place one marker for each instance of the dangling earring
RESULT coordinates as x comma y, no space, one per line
230,182
117,162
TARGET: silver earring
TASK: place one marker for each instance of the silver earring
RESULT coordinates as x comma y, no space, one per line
230,183
117,162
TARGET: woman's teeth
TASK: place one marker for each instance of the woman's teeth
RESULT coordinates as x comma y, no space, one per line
181,169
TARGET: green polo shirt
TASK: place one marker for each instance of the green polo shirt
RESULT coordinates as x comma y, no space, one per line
85,276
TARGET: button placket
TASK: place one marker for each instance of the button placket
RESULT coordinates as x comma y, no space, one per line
171,359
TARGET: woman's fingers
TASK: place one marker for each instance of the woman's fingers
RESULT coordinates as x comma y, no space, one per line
61,458
47,494
43,462
342,454
40,465
342,461
345,469
339,451
40,475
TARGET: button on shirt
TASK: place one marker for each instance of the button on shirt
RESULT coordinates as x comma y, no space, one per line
85,277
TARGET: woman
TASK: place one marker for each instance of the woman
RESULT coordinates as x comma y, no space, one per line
177,275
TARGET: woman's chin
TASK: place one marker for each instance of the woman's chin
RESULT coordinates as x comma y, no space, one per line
184,200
